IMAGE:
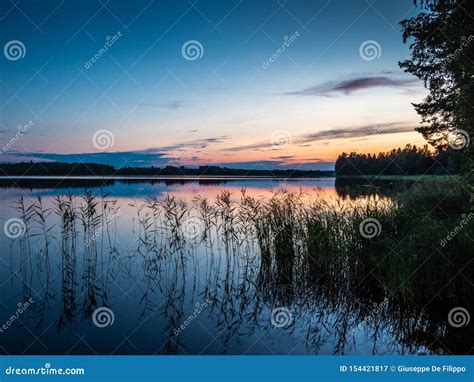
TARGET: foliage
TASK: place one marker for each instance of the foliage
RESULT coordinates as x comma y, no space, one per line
442,44
410,160
95,169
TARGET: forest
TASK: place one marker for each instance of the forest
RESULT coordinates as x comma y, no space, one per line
411,160
95,169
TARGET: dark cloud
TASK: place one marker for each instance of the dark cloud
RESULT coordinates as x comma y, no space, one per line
146,159
117,159
157,156
349,86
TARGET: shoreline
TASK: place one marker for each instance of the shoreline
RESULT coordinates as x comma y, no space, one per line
161,177
398,177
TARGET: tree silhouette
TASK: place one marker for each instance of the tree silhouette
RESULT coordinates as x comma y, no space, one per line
410,160
442,45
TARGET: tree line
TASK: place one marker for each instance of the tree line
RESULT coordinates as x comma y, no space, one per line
410,160
95,169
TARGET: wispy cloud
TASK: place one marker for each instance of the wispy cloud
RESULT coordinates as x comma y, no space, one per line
281,165
194,143
173,105
349,86
361,131
337,133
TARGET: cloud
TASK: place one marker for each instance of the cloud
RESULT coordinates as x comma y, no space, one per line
173,105
305,140
277,165
155,156
146,158
117,159
349,86
194,143
362,131
284,157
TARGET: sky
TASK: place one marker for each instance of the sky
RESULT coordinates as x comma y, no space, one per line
245,84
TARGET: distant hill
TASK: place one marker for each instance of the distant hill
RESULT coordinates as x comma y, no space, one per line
94,169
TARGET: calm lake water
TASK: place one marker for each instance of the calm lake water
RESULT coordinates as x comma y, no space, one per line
130,284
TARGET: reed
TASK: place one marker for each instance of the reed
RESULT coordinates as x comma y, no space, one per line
289,249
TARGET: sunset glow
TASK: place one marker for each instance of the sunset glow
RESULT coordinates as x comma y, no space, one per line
291,78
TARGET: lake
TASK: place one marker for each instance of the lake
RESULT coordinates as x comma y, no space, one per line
187,266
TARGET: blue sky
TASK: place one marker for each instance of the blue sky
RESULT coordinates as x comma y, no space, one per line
152,105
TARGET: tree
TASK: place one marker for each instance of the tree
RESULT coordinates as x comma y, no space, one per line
442,45
410,160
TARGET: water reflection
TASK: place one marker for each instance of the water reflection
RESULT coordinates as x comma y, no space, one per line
210,286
